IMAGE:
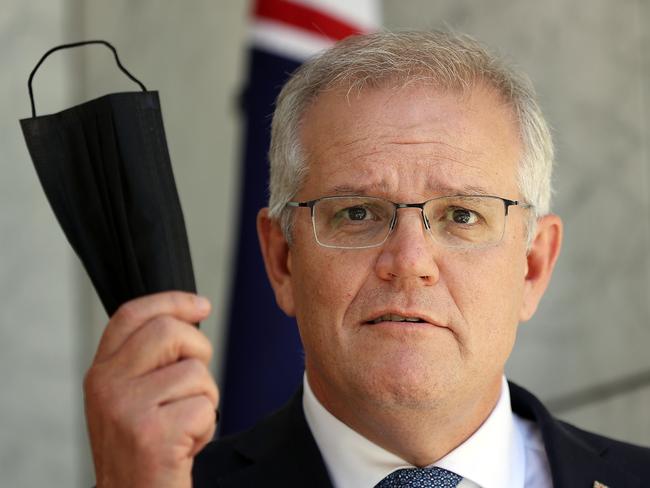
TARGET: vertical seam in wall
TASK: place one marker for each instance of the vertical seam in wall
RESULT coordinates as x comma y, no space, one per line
642,47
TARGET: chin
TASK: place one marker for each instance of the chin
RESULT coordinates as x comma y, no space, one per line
412,387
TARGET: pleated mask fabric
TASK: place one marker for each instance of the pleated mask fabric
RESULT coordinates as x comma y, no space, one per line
105,168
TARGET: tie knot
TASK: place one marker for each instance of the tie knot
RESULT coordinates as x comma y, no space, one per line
420,478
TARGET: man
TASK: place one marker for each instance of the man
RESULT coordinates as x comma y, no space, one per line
407,311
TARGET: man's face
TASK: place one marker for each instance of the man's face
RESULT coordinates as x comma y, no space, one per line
407,144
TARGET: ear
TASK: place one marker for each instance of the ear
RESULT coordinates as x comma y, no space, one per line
277,260
540,261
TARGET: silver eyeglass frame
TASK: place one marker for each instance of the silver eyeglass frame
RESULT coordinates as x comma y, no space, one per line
507,203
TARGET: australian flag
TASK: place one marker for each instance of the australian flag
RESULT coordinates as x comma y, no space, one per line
264,358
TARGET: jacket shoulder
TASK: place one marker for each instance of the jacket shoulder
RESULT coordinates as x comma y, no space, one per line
278,451
230,454
633,457
217,458
577,456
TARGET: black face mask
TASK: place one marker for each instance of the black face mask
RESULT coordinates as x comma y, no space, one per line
105,168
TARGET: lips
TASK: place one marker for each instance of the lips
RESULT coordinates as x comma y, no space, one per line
399,315
392,317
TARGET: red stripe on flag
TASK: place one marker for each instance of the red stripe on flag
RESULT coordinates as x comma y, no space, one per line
305,17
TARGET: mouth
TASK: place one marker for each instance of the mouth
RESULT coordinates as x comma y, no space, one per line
394,317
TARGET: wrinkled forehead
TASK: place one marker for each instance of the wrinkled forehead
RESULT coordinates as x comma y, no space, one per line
384,134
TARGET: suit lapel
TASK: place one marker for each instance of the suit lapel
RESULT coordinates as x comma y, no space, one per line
574,461
282,452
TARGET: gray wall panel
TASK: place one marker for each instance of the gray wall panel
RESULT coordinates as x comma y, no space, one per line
588,60
40,403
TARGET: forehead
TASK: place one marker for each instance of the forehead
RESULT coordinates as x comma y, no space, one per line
410,139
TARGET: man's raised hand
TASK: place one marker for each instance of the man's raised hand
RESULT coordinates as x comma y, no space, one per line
149,396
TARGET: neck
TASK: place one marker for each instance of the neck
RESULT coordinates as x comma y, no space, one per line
420,436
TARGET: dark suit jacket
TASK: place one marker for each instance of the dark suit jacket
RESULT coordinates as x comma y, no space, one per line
280,451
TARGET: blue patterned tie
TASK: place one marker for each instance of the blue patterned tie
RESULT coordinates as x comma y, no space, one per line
420,478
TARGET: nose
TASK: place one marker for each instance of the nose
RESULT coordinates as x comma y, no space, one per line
409,254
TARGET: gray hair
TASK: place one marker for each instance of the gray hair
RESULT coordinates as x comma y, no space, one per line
445,59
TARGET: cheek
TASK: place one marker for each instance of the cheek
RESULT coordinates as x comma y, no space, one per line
488,291
325,285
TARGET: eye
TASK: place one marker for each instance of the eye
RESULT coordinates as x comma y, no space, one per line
462,216
356,213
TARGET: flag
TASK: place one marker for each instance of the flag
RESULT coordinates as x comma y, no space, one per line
264,358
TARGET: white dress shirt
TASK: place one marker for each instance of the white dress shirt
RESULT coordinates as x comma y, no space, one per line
505,452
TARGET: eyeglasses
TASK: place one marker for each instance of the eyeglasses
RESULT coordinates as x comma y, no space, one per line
359,222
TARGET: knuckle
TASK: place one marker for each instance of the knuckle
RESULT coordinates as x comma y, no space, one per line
94,385
198,373
209,434
163,327
205,409
203,346
209,349
127,312
167,333
211,392
195,368
214,399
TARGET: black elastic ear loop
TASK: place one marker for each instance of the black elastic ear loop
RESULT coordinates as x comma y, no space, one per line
75,44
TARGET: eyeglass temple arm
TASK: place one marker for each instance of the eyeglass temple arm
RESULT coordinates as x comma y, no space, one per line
510,203
301,204
309,204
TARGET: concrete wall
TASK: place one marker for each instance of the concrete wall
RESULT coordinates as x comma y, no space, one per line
587,58
41,424
589,61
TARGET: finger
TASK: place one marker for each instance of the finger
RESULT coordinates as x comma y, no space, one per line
201,441
180,380
135,313
162,341
195,416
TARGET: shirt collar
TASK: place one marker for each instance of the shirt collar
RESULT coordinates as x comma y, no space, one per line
492,457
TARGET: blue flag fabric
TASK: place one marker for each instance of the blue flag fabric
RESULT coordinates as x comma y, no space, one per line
264,357
264,360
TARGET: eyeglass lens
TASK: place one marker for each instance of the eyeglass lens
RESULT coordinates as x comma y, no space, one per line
454,221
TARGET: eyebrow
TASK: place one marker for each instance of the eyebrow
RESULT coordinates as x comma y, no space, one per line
360,189
462,190
383,187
